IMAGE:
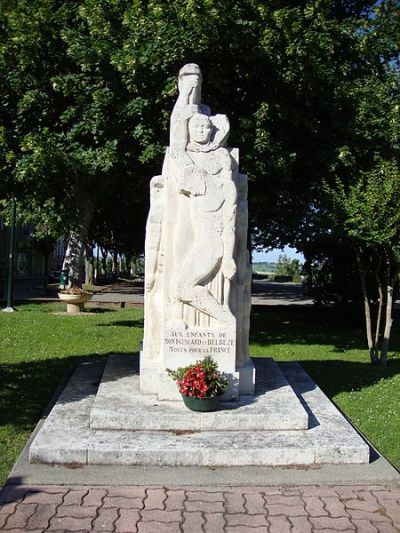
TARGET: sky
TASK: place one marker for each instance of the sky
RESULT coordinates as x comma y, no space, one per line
273,255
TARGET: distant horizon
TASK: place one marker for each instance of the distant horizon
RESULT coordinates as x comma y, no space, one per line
272,256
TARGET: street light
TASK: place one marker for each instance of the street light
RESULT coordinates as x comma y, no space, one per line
10,287
97,265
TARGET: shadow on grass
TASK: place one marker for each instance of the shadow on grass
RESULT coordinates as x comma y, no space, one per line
313,326
126,323
98,310
27,388
336,376
308,327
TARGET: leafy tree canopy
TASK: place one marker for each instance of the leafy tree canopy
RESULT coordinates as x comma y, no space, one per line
87,87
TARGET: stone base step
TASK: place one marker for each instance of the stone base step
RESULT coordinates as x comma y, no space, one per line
66,436
120,405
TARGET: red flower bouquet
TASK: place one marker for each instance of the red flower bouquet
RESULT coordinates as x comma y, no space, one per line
200,380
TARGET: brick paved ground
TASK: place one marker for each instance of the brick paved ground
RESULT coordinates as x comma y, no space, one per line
364,509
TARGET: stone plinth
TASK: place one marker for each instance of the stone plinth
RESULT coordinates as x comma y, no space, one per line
120,405
66,435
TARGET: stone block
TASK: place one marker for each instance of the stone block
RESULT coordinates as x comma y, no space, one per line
66,436
119,404
149,376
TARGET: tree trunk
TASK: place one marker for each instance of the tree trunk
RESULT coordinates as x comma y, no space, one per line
367,310
74,256
89,264
97,269
104,254
392,272
128,266
380,304
132,265
388,325
115,264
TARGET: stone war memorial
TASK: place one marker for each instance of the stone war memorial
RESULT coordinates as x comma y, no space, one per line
197,304
198,274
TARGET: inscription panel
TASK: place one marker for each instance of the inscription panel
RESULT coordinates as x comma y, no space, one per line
186,346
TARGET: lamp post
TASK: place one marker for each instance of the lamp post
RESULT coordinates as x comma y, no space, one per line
97,265
10,285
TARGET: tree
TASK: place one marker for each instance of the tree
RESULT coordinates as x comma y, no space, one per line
65,135
88,87
289,267
369,212
331,273
365,207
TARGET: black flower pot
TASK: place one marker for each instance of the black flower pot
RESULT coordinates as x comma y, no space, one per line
203,405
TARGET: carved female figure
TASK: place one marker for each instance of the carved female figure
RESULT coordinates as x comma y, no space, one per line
204,174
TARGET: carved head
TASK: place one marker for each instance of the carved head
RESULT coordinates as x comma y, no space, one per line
200,128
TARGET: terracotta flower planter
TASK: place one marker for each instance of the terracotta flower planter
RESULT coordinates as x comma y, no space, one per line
75,302
203,405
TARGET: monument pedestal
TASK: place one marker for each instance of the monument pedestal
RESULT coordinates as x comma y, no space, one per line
289,422
186,346
119,404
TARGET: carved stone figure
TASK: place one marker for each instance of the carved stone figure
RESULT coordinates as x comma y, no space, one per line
197,270
204,175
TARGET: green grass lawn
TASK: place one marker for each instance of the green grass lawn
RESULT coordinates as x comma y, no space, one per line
38,347
335,356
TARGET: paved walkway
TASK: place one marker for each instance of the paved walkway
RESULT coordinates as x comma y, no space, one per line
364,509
274,293
264,293
123,291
